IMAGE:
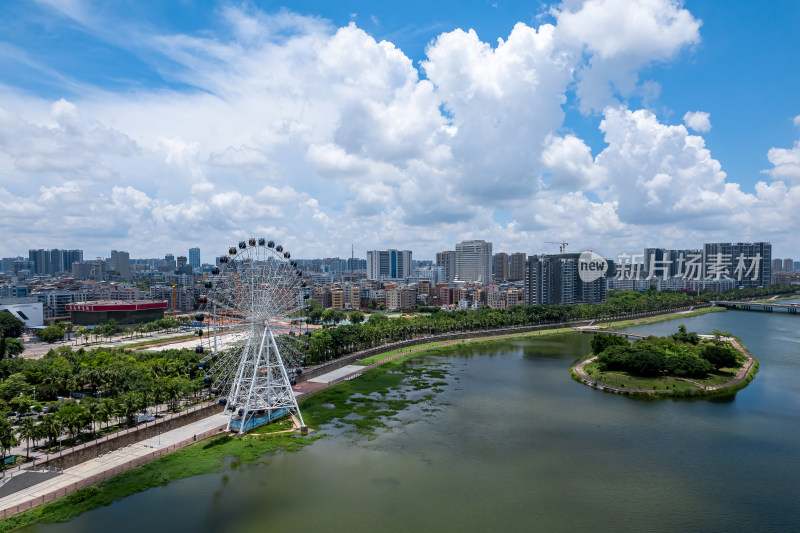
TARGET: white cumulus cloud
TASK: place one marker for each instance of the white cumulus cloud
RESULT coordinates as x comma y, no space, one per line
699,121
327,136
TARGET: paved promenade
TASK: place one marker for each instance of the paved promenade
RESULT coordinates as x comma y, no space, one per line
105,466
32,489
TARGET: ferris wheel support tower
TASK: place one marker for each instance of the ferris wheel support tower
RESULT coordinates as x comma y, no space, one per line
261,390
254,290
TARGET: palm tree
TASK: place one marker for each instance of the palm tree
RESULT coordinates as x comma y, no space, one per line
8,439
95,410
28,429
74,416
51,426
105,410
127,406
68,327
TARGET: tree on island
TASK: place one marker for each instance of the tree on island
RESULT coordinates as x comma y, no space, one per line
601,341
677,354
683,336
719,354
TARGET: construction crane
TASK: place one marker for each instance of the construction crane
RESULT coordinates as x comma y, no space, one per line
174,309
561,245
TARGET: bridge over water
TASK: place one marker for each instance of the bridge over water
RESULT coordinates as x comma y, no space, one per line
769,307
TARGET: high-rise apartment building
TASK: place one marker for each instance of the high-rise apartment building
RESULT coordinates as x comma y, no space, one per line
788,265
41,261
663,263
82,270
121,263
749,264
500,268
551,280
517,270
99,269
474,262
194,258
71,256
777,265
447,260
388,264
355,263
53,261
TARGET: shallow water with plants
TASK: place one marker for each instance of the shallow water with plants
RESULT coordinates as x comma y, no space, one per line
511,443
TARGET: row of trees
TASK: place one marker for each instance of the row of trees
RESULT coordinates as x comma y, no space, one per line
330,343
90,415
61,330
153,378
110,328
681,354
317,315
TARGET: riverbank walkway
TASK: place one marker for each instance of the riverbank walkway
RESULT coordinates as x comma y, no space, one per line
46,488
30,489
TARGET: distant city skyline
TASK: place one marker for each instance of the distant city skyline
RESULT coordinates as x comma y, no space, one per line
612,125
639,255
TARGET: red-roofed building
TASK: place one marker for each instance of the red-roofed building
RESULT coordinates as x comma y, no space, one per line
92,313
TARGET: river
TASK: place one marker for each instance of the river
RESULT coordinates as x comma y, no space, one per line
513,444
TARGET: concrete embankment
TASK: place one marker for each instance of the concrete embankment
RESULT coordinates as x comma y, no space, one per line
348,359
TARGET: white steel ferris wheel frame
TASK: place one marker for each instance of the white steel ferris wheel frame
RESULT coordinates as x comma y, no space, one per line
260,285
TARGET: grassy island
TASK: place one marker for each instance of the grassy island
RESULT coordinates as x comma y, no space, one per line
682,364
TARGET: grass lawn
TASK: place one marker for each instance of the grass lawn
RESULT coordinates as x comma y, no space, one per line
627,380
385,355
449,343
160,341
778,299
664,318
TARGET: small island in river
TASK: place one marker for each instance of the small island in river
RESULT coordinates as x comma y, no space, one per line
682,364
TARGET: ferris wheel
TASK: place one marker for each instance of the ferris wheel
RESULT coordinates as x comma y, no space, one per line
248,304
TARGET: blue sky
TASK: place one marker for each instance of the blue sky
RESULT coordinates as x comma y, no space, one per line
156,126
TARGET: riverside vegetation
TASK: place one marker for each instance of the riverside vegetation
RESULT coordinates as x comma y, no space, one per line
369,403
678,363
328,343
113,386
